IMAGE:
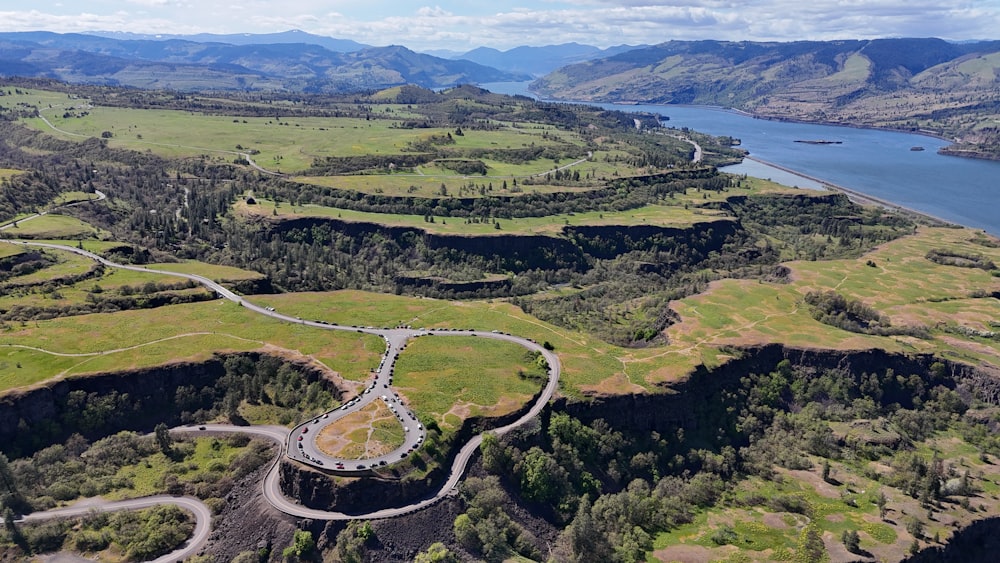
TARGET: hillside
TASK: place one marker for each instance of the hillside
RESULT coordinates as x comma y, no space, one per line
927,85
538,61
191,65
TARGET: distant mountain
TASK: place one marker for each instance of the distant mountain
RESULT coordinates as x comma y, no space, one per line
190,65
538,61
292,36
936,86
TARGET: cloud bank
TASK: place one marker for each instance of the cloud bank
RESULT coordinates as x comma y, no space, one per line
503,24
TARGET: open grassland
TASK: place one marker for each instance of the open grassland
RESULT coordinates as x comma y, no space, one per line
279,143
291,145
680,211
586,361
67,264
15,98
40,350
424,185
895,279
462,376
53,226
8,173
366,433
658,215
7,250
765,518
112,282
900,282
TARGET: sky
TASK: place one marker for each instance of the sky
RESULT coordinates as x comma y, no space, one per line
503,24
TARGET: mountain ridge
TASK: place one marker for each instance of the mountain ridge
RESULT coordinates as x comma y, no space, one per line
916,84
189,65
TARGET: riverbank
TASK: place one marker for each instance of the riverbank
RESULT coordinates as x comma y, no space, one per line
855,196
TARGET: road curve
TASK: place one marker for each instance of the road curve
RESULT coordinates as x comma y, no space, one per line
194,544
396,340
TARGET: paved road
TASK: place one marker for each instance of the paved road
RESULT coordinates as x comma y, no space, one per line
698,153
396,341
202,514
10,224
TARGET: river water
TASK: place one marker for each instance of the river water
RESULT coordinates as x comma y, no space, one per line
874,162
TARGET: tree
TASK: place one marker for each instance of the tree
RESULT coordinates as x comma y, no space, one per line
495,456
10,496
9,521
852,541
163,438
465,532
436,553
542,478
302,545
881,502
811,548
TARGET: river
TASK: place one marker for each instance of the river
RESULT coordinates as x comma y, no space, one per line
874,162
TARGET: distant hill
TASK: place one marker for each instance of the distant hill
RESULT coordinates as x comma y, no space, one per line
930,85
538,61
291,36
191,65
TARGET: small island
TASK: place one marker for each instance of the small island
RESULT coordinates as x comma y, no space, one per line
818,142
916,149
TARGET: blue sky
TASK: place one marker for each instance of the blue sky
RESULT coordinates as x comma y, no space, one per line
503,24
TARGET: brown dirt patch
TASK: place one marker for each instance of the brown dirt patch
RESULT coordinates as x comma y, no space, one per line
617,384
687,554
775,520
354,436
815,481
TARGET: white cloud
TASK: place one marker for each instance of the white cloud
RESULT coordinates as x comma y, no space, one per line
597,22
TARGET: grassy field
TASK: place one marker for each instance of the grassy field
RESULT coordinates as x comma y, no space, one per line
9,173
66,264
291,145
586,360
451,378
282,144
410,185
53,226
681,211
659,215
847,502
111,282
83,344
895,279
902,284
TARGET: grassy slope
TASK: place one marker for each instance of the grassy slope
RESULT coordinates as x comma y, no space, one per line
452,377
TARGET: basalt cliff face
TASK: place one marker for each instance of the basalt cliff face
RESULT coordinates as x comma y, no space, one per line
104,403
686,403
575,248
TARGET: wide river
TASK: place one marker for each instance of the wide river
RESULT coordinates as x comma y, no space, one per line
877,163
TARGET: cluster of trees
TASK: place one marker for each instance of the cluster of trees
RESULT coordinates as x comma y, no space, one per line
961,259
611,488
266,380
147,296
832,308
77,468
137,535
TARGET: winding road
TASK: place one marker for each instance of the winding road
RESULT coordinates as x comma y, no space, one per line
308,453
